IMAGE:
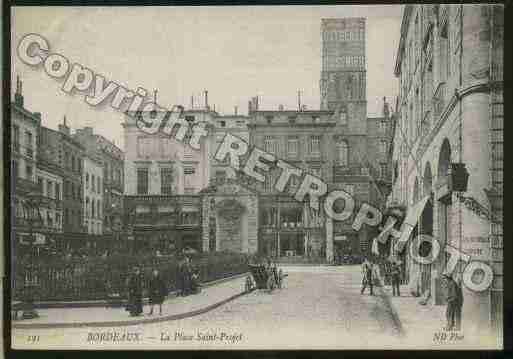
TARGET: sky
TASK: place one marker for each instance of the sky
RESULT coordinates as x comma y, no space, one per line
233,52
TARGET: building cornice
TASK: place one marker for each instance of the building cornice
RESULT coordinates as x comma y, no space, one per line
459,94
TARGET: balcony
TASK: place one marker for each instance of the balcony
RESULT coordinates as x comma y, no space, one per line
339,171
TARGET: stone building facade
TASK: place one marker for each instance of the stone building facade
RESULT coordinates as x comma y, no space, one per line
92,180
360,143
288,228
24,152
449,64
59,148
111,159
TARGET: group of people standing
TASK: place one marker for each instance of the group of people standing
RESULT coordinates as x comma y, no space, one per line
370,274
454,291
188,278
157,291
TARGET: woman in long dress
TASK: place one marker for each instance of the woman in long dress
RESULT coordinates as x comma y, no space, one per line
135,293
158,291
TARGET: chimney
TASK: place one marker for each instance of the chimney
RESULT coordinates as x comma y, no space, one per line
192,102
250,109
235,111
206,99
280,107
18,96
63,128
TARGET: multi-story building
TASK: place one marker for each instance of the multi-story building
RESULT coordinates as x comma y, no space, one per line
236,125
111,159
360,143
49,181
24,134
449,64
303,139
60,149
93,195
163,177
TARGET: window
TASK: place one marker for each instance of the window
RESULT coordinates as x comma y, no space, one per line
343,117
383,170
220,175
93,183
189,172
87,180
98,209
16,138
445,53
269,119
72,190
99,184
30,171
142,181
73,163
57,191
293,147
382,127
40,185
383,147
49,188
30,145
87,210
57,219
92,208
342,150
166,180
271,145
222,123
315,145
292,119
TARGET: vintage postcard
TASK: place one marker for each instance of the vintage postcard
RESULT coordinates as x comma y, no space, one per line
256,177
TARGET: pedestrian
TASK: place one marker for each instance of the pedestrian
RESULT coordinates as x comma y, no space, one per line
135,283
367,276
395,273
158,291
454,303
186,276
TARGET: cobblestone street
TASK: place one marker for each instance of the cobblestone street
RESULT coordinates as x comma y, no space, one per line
317,302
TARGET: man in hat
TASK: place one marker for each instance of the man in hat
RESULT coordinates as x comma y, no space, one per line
454,303
395,273
367,276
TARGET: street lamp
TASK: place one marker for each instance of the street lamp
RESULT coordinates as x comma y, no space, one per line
32,215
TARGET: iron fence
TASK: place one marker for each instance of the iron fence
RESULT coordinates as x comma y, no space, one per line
97,278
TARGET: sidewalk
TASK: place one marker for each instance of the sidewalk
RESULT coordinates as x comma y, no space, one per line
423,324
174,308
416,319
